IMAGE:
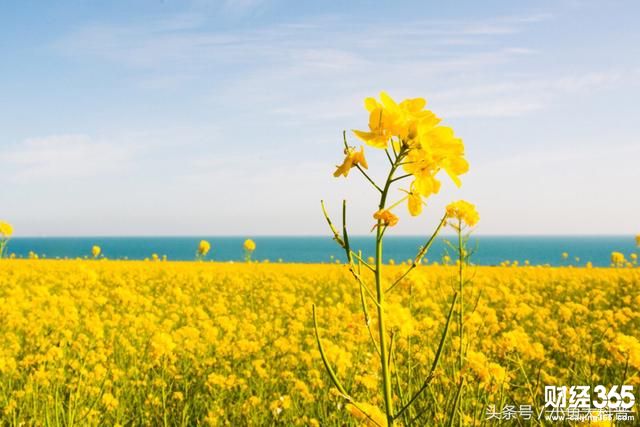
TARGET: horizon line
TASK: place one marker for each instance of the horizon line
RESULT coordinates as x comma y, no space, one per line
246,236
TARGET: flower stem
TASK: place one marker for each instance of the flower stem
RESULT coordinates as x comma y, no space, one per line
382,338
369,178
461,317
386,376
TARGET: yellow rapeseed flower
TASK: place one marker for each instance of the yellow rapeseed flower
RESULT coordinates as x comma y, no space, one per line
203,247
96,251
162,344
437,149
626,349
352,159
387,217
109,401
249,245
429,148
369,415
617,258
414,202
419,144
638,240
6,230
388,119
463,211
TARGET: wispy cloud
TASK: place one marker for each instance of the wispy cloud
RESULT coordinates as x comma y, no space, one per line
187,41
280,65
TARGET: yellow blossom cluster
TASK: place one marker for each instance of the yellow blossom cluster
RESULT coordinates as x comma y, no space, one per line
617,259
96,251
430,147
463,212
6,230
249,245
105,343
204,247
415,142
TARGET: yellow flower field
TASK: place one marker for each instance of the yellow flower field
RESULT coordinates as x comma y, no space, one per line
153,343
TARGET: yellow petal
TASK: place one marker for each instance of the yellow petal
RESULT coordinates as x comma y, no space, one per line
359,159
387,101
414,104
365,136
345,167
371,138
427,185
371,104
415,204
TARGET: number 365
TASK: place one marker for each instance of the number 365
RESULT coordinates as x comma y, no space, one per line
613,400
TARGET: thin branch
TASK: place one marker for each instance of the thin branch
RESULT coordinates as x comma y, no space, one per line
350,253
331,373
399,388
336,236
328,367
386,151
421,413
401,177
367,319
391,340
436,360
420,255
363,285
359,258
368,178
345,235
455,402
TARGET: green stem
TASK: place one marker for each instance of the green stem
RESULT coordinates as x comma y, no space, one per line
382,339
436,359
461,316
367,319
325,360
455,405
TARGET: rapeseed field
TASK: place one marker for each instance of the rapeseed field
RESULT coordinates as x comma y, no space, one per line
90,342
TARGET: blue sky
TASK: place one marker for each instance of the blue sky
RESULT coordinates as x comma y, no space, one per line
225,117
